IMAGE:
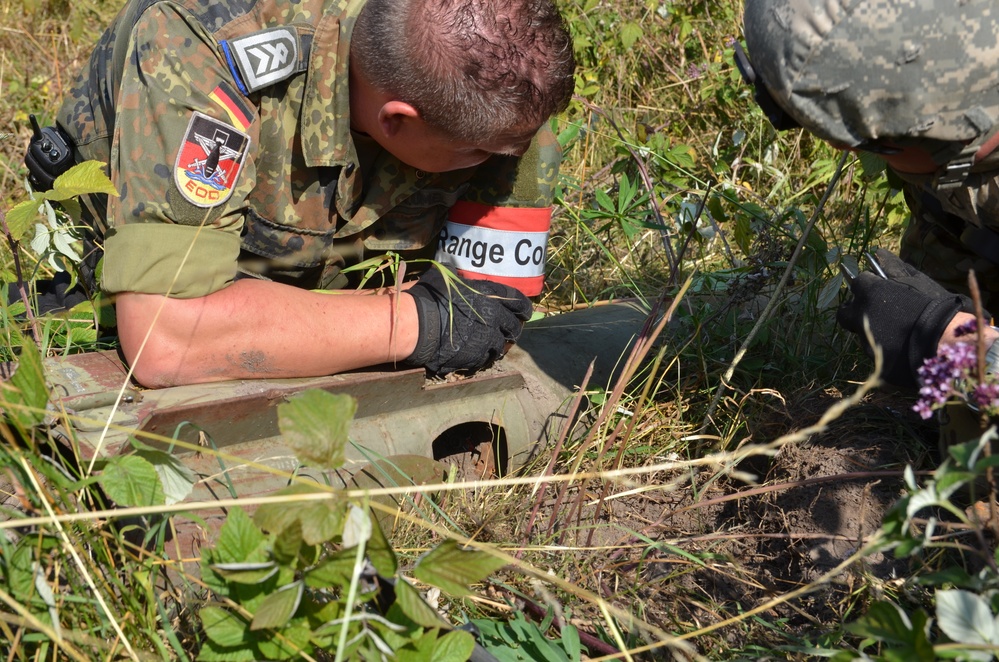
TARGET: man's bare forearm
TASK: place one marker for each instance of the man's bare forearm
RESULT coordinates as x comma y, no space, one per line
254,329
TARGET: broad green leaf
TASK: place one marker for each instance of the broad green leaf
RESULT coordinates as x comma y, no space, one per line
21,217
239,539
954,575
177,479
83,178
31,394
884,622
132,481
414,606
320,522
630,33
275,517
246,573
278,607
604,200
293,641
288,544
223,627
872,164
336,569
315,425
357,527
421,648
212,652
20,571
829,292
570,641
380,552
966,618
455,646
568,134
453,569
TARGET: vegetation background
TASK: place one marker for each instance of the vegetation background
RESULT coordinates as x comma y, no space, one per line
675,189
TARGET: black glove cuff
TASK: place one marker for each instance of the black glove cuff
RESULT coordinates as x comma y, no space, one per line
928,330
429,319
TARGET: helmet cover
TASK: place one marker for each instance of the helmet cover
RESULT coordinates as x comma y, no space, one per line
852,71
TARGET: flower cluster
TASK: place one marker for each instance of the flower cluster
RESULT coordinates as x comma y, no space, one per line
951,375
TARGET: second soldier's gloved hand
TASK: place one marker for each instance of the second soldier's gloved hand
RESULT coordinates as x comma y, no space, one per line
464,324
908,313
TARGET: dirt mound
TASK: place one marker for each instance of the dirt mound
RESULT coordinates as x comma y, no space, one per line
723,548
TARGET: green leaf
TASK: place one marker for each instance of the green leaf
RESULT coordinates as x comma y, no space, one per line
421,648
239,539
829,292
884,622
966,618
223,627
132,481
336,570
357,527
453,569
31,393
176,478
278,607
22,216
275,517
380,552
950,575
320,522
455,646
630,33
288,544
570,641
293,641
414,606
246,573
212,652
83,178
315,425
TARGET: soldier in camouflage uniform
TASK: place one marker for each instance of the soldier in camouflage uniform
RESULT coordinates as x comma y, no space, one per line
260,147
916,82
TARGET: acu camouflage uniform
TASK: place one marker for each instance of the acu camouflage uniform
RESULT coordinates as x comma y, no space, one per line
915,72
310,197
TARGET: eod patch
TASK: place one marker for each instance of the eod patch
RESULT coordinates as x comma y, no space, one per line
210,158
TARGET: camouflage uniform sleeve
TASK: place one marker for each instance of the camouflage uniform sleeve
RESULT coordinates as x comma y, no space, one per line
170,121
528,181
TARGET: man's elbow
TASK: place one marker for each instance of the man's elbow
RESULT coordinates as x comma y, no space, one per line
156,356
154,363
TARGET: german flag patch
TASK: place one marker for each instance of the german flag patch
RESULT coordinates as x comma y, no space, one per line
210,159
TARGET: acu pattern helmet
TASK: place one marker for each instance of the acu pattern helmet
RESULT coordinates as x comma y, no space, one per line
915,72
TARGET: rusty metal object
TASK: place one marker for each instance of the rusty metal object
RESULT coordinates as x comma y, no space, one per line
493,421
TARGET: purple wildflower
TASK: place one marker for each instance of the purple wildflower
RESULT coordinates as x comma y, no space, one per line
696,71
986,395
966,329
939,375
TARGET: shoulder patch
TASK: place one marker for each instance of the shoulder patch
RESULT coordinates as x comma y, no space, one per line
210,158
265,57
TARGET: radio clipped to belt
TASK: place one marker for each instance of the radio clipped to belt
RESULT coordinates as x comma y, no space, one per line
50,153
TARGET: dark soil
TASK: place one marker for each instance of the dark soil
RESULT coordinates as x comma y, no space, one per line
730,546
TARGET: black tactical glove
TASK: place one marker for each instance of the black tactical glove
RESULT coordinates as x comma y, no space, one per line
464,324
908,313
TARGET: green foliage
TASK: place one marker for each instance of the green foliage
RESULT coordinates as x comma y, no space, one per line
966,623
452,568
295,597
315,425
306,572
520,640
83,178
26,391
